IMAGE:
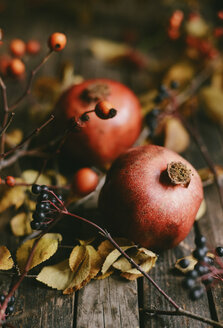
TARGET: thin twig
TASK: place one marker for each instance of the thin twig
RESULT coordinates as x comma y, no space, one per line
6,111
30,81
3,130
182,312
28,138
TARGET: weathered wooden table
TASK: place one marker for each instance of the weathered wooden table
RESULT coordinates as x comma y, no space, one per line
114,302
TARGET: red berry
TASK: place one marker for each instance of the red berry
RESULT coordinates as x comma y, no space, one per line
5,61
17,47
17,67
104,110
57,41
33,47
10,181
85,181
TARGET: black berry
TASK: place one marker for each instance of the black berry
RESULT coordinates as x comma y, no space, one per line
200,253
192,274
201,269
208,280
43,196
189,282
158,99
36,189
44,187
208,260
184,263
35,225
174,84
196,293
12,300
2,298
200,241
43,206
39,215
60,197
219,251
9,310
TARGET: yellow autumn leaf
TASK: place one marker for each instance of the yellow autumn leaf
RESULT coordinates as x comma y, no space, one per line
76,257
12,197
211,99
145,258
107,50
80,275
181,72
14,137
29,176
20,224
57,276
106,246
6,261
95,265
207,176
104,276
112,257
86,241
192,263
87,270
47,247
201,211
57,178
197,27
176,136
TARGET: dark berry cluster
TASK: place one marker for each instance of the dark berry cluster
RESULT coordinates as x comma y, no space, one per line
151,118
48,203
203,271
10,306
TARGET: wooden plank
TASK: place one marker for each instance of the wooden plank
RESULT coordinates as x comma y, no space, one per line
36,305
211,225
108,303
40,307
171,283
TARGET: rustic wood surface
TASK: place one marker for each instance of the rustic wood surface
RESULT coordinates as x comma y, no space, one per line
113,302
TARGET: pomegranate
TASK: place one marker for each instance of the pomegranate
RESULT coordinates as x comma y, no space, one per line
151,195
99,141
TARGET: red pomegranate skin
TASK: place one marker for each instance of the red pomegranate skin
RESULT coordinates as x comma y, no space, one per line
100,141
137,204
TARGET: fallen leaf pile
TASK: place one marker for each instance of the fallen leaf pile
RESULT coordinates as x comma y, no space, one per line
86,263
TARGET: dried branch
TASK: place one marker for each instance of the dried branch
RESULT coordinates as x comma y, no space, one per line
30,81
4,128
182,312
28,138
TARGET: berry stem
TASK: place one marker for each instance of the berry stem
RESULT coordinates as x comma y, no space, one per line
30,81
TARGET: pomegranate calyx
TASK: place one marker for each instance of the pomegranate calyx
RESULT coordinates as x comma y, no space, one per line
95,92
178,173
